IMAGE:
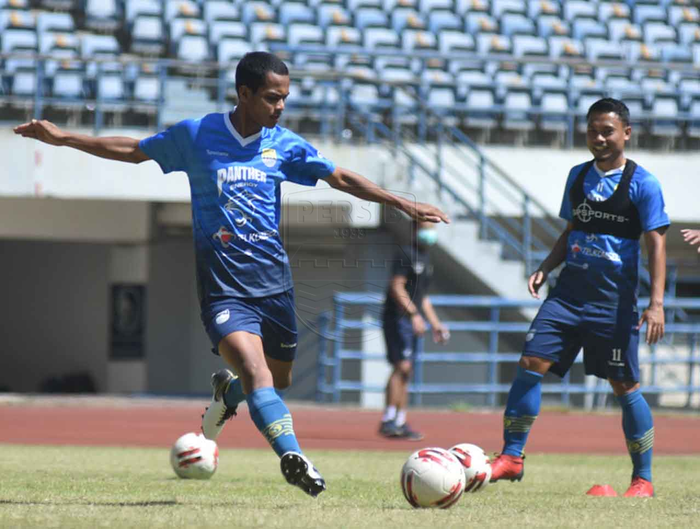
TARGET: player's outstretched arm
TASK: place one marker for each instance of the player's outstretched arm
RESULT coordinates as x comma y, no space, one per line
554,259
118,148
357,185
692,237
653,315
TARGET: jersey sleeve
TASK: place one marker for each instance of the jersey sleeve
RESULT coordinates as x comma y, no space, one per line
306,165
168,147
402,264
565,212
650,204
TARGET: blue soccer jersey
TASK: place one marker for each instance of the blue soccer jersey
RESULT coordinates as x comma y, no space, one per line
235,187
604,268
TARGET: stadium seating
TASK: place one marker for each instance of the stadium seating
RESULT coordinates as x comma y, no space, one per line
474,37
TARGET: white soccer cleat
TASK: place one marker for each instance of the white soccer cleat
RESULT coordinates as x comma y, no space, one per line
216,415
300,472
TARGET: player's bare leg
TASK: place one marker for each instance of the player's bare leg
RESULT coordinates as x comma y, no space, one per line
638,427
521,411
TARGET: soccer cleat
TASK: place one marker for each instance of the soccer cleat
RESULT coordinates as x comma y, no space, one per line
404,432
300,472
388,429
640,488
216,415
507,467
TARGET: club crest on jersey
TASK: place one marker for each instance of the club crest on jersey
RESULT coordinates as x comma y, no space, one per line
575,248
269,157
224,236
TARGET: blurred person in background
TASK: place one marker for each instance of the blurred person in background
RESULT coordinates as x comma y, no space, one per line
407,308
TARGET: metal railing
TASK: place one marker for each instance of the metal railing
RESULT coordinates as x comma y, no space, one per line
333,351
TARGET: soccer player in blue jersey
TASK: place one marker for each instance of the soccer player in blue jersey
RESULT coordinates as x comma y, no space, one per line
235,163
609,203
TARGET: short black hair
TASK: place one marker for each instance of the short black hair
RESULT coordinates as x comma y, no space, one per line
608,104
252,69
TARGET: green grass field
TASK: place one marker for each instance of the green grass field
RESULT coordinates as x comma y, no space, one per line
112,487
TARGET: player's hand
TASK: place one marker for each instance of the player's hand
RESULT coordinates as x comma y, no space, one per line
692,237
535,282
41,130
418,324
440,334
654,317
425,212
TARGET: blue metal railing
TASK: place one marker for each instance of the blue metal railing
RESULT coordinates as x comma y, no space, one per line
332,384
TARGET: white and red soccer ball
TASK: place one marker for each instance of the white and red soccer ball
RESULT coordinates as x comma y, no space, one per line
193,456
432,477
476,464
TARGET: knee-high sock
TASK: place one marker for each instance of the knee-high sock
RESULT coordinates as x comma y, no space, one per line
271,416
234,395
638,425
522,409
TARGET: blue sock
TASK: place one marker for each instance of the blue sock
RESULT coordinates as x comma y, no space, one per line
234,394
638,425
271,415
522,409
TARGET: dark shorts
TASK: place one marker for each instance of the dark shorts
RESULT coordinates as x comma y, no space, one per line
401,343
273,318
608,335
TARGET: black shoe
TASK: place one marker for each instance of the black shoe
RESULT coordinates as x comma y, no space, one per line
404,432
388,429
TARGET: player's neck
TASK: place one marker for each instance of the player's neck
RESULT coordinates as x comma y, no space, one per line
244,126
609,165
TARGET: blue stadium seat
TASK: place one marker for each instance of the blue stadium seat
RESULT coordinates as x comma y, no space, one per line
181,8
221,29
63,45
371,17
110,88
529,45
500,7
675,53
647,12
296,12
694,123
655,32
600,48
427,6
396,74
435,76
565,47
231,50
583,28
552,25
102,15
476,23
215,10
147,89
574,9
59,5
584,102
344,37
147,35
493,44
418,40
478,106
19,40
473,79
554,107
444,20
263,32
620,29
134,8
23,82
389,5
333,15
323,95
365,96
193,48
395,61
407,18
539,8
258,12
98,45
516,111
57,22
381,39
689,89
678,14
455,42
300,34
620,86
614,11
542,81
516,24
68,84
14,4
186,26
442,101
689,34
12,19
664,111
354,5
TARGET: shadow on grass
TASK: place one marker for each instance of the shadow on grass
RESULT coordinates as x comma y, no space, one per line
99,503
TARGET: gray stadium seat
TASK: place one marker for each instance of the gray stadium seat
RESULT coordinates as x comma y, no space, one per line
365,96
554,107
23,83
193,48
110,88
664,111
231,50
396,74
478,109
516,108
147,35
102,15
675,53
68,84
147,88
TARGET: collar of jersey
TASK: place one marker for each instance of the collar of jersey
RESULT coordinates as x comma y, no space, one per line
603,174
240,139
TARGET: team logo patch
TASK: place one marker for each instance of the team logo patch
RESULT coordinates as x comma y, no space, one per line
575,248
222,317
584,213
224,236
269,157
529,336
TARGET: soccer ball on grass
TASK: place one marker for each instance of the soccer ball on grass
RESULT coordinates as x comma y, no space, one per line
193,456
477,466
432,477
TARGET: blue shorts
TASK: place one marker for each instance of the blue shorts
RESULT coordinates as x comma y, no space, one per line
273,318
608,335
401,343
